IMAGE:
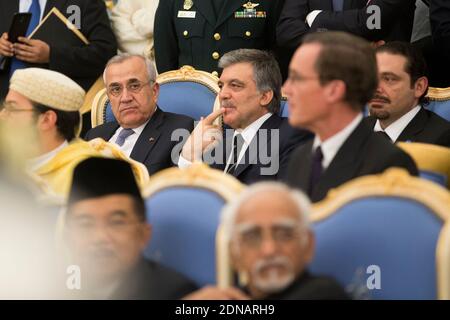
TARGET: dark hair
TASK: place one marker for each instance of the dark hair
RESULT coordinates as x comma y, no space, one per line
347,58
266,72
66,121
415,65
139,208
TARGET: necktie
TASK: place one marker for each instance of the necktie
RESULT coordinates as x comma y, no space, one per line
123,135
316,169
384,135
35,10
238,142
338,5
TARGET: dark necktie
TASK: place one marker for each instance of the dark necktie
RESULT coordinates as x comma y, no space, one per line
238,142
384,135
338,5
35,10
123,135
316,169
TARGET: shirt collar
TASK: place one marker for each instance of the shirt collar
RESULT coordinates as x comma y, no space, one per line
396,128
250,131
332,145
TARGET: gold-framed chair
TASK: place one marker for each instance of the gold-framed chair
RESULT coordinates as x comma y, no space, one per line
393,223
433,161
183,206
439,101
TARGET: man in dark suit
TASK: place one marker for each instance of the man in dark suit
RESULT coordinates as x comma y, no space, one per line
107,231
82,64
142,131
397,106
328,99
199,32
257,142
271,245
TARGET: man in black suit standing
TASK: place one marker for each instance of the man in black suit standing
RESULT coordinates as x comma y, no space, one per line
107,230
82,64
257,142
331,77
141,130
397,107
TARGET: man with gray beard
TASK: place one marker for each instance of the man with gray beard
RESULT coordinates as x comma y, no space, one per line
271,245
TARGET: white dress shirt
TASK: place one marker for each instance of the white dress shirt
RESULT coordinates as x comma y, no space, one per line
331,146
35,163
396,128
130,141
247,134
24,6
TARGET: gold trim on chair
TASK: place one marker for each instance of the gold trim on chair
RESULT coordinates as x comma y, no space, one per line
91,94
438,94
188,73
393,182
199,175
429,157
98,108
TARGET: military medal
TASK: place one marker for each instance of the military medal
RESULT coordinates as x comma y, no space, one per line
250,11
188,4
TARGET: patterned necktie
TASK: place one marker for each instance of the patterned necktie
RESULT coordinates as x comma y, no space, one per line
35,10
123,135
338,5
238,142
316,169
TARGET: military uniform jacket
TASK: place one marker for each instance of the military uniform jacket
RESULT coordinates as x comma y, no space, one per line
188,32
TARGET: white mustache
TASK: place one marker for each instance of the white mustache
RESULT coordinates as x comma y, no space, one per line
280,261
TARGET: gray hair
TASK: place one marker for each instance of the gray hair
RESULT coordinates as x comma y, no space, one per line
266,71
151,70
230,211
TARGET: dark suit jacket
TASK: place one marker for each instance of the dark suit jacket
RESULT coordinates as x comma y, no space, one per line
396,20
257,164
180,41
309,287
152,281
425,127
83,64
154,146
363,153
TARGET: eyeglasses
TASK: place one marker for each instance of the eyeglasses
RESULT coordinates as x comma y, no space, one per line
116,90
10,108
280,234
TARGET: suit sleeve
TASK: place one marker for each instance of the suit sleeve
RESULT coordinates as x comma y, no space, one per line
90,60
355,21
440,25
403,160
291,25
165,38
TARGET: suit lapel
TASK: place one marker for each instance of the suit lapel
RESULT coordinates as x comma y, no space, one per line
344,163
303,174
148,138
416,125
206,9
228,9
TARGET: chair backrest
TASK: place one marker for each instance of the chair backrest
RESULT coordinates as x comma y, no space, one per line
184,91
439,101
187,91
284,108
382,237
184,206
433,161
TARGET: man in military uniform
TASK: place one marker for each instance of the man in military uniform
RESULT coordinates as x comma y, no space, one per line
199,32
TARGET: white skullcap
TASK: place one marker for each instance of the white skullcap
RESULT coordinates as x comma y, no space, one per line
49,88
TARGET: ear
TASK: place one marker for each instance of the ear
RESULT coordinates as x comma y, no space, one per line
335,91
146,234
420,87
47,120
234,255
266,98
310,247
155,91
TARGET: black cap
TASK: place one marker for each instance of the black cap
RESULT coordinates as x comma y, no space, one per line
97,177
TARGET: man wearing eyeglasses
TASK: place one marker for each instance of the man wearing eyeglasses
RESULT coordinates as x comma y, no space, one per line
106,231
271,245
141,130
